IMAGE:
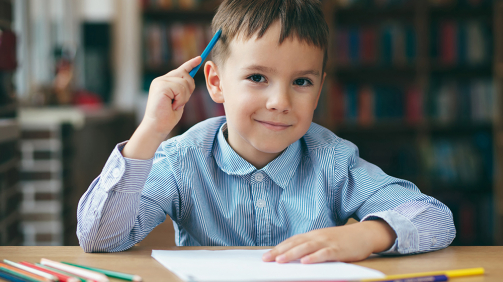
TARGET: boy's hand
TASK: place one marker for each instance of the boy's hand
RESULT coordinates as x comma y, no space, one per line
346,243
166,98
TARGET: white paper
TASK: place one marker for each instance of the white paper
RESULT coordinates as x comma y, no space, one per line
247,265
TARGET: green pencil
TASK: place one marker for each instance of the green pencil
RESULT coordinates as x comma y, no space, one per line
60,271
113,274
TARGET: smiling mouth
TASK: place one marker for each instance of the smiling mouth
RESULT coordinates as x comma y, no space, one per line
274,125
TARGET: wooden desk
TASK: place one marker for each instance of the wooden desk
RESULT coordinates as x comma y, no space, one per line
138,261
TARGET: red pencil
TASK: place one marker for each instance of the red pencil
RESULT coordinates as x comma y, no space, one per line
61,277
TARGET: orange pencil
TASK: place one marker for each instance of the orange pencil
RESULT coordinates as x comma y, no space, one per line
25,273
61,277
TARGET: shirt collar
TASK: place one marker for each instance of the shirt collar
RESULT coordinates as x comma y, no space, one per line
280,170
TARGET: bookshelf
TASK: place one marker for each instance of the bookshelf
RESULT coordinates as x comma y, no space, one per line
10,196
421,98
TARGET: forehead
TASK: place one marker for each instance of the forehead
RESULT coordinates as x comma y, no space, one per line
267,51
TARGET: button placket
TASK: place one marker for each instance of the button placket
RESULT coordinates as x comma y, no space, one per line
260,202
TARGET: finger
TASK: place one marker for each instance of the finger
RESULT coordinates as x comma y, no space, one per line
283,247
181,93
298,252
190,64
325,254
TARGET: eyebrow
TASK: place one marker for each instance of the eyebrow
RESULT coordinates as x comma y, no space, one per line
265,69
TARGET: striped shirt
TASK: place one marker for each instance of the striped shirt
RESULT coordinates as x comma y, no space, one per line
216,198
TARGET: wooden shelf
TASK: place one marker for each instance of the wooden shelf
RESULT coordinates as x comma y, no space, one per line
376,73
463,71
459,127
484,12
377,128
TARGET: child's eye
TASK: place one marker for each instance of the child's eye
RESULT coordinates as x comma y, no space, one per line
303,82
257,78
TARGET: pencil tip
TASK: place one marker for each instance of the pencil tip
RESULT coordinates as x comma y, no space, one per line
137,278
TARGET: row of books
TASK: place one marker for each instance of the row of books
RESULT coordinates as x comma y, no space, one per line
173,44
372,3
463,163
366,104
171,4
388,44
471,100
461,42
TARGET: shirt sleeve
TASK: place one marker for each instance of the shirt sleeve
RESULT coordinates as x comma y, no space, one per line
420,222
114,214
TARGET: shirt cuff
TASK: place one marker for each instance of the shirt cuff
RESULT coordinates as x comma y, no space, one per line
407,237
125,175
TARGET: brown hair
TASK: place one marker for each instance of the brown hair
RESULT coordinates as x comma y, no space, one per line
302,19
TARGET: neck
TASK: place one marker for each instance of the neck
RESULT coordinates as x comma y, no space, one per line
245,150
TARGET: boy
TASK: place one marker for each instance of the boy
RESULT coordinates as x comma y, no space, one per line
264,174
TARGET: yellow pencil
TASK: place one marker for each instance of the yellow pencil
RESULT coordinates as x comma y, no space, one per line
448,273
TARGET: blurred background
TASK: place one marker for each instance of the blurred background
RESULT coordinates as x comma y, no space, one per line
415,84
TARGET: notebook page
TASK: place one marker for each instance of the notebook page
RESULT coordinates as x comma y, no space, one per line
247,265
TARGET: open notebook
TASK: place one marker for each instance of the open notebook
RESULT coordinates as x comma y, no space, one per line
247,265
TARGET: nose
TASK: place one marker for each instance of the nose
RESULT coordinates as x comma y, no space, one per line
279,100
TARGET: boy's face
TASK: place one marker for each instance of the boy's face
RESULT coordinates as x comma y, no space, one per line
269,92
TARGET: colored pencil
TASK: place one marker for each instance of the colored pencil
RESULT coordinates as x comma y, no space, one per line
31,270
207,51
435,278
20,275
88,274
60,276
448,273
110,273
9,277
61,271
4,266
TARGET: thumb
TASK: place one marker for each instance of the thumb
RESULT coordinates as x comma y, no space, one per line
190,64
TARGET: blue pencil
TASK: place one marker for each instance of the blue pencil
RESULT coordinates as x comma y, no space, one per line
432,278
207,51
10,277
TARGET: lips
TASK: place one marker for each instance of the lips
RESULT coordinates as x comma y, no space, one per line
276,126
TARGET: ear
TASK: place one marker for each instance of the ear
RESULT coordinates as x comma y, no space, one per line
213,82
321,87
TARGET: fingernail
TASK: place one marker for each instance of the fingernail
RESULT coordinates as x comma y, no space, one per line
266,256
281,258
304,260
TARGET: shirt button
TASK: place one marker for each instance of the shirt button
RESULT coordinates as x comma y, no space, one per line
116,172
259,176
260,203
433,241
406,244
